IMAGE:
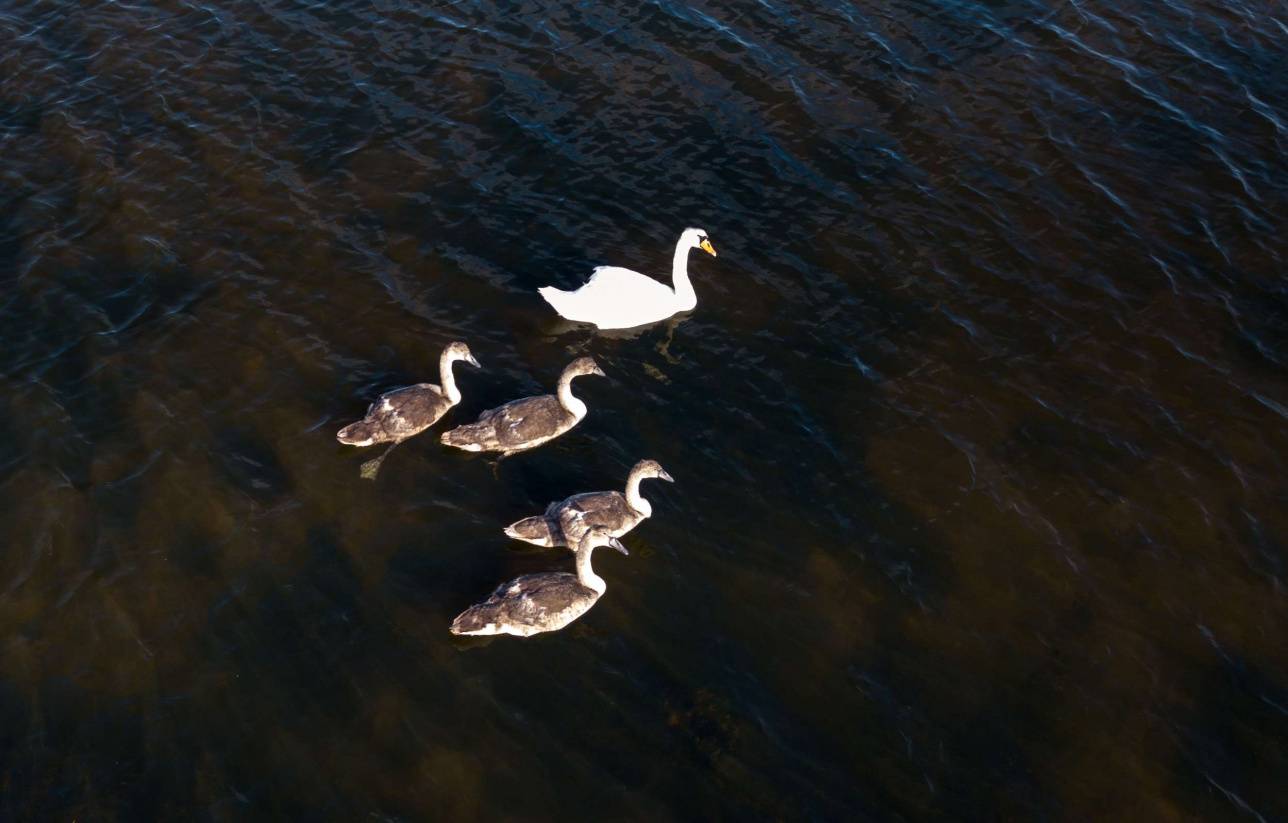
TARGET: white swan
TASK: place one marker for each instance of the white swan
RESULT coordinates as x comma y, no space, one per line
617,298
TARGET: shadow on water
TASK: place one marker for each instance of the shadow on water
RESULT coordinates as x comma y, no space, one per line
250,464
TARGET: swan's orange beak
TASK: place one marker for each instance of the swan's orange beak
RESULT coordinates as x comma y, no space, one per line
706,246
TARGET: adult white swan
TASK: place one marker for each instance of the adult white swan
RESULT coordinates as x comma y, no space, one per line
617,298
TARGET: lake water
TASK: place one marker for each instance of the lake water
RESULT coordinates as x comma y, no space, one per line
980,427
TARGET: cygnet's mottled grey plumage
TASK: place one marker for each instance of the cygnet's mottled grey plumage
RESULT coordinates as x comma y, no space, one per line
408,411
536,603
565,521
529,422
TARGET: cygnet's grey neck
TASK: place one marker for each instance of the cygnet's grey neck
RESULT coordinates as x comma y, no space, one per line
585,574
445,376
571,404
633,496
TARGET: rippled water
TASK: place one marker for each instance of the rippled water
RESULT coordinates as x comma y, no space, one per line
979,427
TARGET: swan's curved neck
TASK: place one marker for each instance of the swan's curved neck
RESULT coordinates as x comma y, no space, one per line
585,574
633,496
685,297
571,404
448,379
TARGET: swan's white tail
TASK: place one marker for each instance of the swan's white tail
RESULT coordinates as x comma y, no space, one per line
557,298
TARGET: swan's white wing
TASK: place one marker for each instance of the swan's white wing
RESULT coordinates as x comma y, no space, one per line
624,284
615,298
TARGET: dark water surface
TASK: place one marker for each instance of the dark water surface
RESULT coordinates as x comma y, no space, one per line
980,427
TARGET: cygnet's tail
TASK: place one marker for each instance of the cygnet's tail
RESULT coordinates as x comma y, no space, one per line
472,437
480,619
535,530
362,433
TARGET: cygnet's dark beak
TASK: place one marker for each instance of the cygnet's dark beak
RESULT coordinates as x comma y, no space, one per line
469,358
662,475
598,371
617,544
